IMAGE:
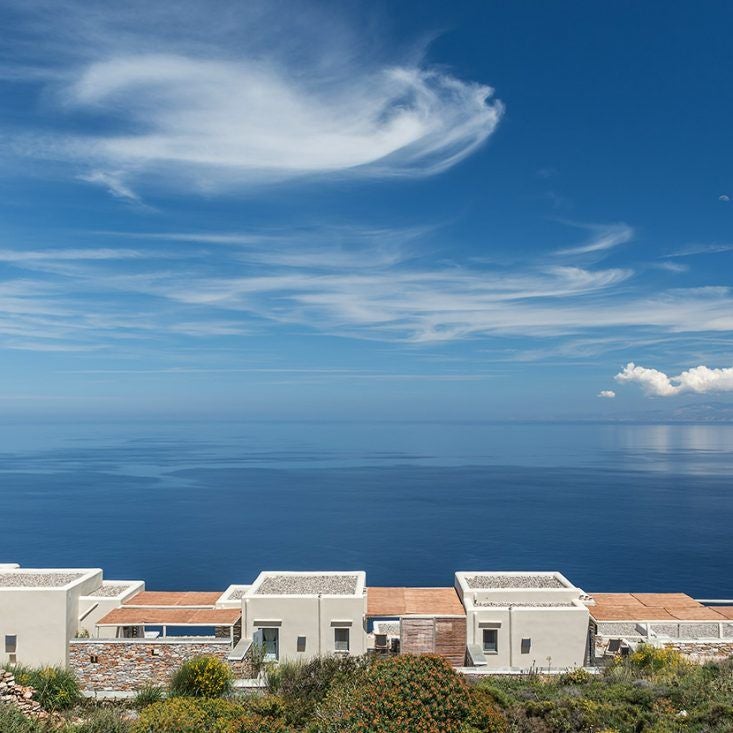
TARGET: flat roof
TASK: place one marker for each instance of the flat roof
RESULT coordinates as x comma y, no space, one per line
113,588
42,578
234,593
164,599
526,604
670,607
513,581
307,584
413,602
127,616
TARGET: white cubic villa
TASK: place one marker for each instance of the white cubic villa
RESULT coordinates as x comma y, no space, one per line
116,635
42,610
517,621
299,615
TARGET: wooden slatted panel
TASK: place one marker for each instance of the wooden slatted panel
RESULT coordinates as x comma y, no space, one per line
450,639
417,636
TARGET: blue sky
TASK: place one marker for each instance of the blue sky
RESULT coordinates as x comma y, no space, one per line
472,210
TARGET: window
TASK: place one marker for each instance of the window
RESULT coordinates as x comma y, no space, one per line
341,640
491,641
301,644
526,645
271,642
11,642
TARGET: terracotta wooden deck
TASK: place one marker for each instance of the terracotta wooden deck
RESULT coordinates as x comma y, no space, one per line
166,599
398,602
171,617
654,607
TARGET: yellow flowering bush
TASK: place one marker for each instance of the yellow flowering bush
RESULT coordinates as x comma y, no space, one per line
202,677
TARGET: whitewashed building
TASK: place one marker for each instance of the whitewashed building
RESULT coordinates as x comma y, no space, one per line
518,621
299,615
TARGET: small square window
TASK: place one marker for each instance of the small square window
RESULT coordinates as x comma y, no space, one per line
94,659
301,644
491,641
526,646
11,643
341,640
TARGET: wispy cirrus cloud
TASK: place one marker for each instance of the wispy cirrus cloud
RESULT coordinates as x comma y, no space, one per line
699,380
175,287
702,249
603,237
175,110
50,255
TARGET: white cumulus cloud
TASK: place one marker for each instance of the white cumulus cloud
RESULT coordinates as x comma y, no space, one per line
699,380
608,394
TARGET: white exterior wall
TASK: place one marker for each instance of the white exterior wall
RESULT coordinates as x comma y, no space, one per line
558,634
39,618
93,608
43,619
313,617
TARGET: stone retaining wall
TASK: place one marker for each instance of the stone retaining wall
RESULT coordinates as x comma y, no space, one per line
130,664
21,697
700,651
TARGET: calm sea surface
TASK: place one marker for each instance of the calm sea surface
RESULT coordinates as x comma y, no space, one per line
199,506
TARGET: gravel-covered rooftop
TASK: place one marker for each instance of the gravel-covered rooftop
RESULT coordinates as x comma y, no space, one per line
304,585
237,594
524,604
478,582
110,590
24,579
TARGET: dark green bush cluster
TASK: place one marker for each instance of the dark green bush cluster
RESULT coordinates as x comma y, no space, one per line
303,686
406,693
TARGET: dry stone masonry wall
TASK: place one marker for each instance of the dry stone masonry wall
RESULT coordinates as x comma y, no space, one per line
129,665
21,697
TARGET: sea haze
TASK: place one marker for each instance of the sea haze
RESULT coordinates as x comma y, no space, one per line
199,506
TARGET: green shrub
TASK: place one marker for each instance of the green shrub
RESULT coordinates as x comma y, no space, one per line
188,715
103,720
147,696
302,686
267,706
420,694
55,688
13,721
650,661
483,712
253,723
577,676
202,677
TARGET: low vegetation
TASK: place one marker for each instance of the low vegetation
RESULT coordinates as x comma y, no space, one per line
202,677
651,691
55,688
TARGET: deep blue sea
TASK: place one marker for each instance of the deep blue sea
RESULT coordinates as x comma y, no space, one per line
201,505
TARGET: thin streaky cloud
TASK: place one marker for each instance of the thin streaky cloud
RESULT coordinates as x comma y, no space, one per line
46,255
702,249
603,238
